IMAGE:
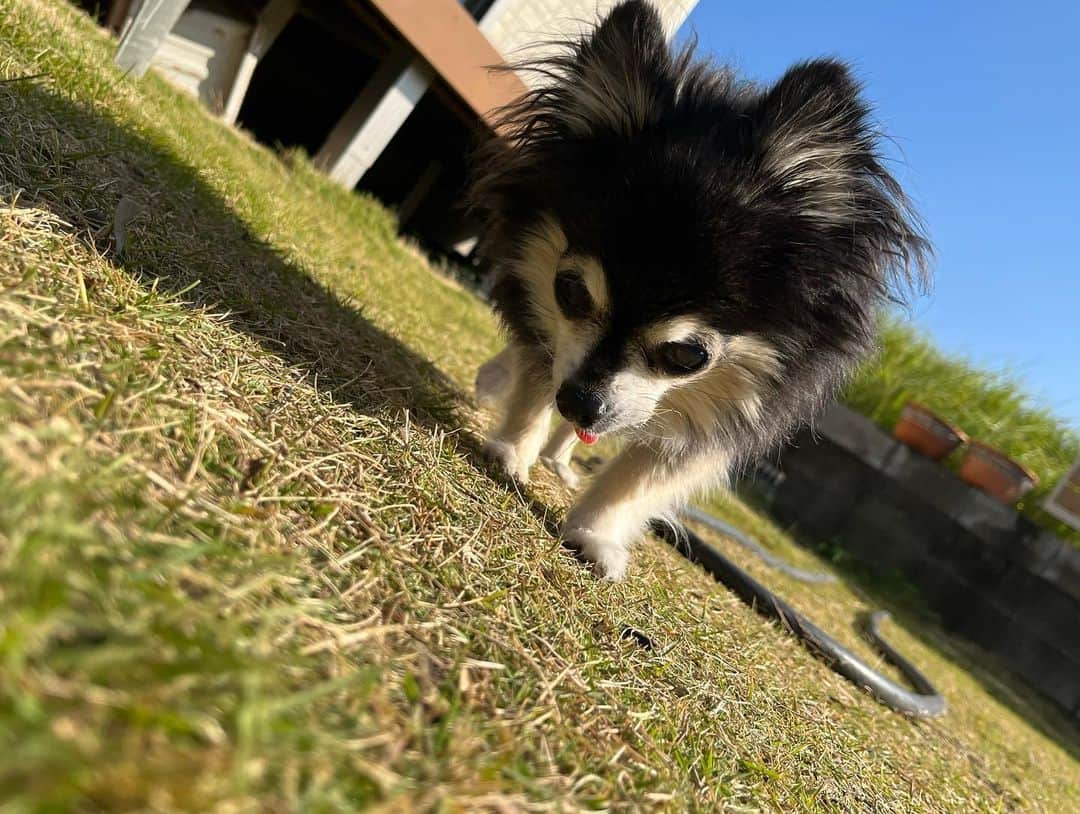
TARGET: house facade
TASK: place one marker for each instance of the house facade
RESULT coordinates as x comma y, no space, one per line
387,96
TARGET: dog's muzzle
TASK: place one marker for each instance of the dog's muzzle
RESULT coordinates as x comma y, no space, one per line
582,406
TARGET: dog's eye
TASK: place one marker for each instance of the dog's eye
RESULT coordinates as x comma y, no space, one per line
680,358
572,295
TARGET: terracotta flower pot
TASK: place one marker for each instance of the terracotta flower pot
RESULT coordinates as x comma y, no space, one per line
927,433
996,473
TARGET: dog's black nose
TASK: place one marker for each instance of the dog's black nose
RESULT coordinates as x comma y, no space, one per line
580,405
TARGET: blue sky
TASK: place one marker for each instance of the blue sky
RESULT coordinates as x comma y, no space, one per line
983,99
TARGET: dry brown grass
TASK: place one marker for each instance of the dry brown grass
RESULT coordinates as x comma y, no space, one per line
249,561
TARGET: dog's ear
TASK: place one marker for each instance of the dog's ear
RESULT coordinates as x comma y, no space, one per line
817,149
631,33
813,135
617,80
613,83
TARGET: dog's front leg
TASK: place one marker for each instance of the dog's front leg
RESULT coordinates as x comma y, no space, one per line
640,484
557,453
516,444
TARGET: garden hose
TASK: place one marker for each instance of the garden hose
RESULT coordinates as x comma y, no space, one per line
770,559
924,701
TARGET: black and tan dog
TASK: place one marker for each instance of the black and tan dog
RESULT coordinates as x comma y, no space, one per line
684,259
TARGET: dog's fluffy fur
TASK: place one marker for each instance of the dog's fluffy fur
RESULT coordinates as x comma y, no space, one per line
722,250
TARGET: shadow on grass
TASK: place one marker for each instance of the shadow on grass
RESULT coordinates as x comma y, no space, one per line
911,612
187,241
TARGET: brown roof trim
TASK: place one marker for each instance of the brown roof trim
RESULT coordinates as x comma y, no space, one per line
444,34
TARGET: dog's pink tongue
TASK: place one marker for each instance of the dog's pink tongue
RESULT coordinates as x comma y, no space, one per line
587,438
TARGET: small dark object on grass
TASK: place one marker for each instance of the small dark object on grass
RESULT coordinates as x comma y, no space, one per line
636,636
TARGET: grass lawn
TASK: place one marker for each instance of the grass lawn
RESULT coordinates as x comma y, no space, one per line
249,561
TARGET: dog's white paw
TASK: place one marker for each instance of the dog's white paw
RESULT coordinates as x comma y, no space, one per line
609,557
563,470
505,455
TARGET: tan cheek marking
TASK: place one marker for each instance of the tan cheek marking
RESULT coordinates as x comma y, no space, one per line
682,328
734,385
543,257
543,248
572,344
674,330
593,275
755,355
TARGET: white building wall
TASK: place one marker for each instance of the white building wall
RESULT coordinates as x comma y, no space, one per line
517,28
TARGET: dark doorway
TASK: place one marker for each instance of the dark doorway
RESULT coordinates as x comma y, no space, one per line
422,172
307,79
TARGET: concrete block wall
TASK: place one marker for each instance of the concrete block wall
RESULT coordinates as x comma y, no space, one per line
992,576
